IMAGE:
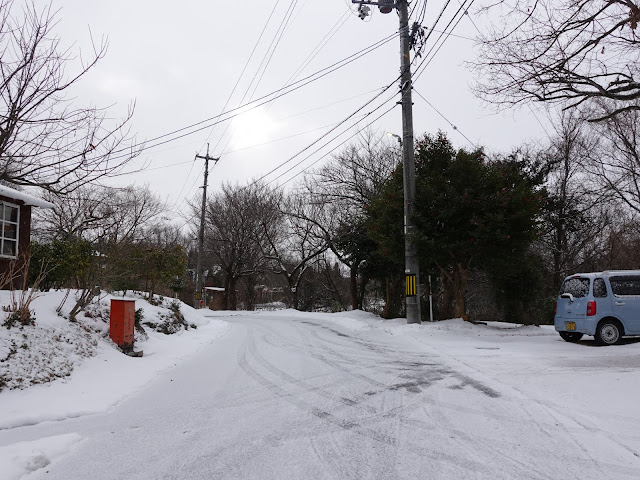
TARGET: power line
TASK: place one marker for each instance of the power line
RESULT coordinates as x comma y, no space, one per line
244,68
326,133
259,101
446,119
466,12
284,24
335,148
377,96
316,50
324,145
346,119
264,57
332,31
424,64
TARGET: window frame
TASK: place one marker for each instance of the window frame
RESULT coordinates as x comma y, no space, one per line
623,278
3,221
604,284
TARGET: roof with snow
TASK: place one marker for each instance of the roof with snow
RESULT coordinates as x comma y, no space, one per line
25,197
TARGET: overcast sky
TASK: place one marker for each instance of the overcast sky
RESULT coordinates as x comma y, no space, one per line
179,61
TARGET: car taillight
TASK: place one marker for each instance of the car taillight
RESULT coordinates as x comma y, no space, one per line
591,309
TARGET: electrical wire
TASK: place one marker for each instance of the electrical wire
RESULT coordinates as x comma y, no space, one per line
316,50
466,12
253,51
284,21
190,129
324,145
445,118
455,128
421,67
284,27
333,149
327,133
424,63
171,165
290,159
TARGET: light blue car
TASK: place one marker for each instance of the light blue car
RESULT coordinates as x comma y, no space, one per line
605,305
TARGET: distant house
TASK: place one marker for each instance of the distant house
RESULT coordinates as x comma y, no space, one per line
15,221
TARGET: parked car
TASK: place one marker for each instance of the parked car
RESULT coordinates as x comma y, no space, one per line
605,305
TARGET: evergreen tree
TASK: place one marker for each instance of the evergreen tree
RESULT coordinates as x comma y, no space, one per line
470,213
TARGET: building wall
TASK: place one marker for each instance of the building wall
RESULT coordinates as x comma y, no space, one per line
24,238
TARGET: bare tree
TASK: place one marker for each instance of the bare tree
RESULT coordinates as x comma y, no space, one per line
100,214
234,222
618,166
576,210
291,240
562,51
341,192
46,140
107,221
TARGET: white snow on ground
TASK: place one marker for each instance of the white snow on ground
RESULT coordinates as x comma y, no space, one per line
23,458
589,390
89,373
596,387
352,320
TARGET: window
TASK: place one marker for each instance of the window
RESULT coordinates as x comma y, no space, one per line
599,288
627,285
578,287
9,215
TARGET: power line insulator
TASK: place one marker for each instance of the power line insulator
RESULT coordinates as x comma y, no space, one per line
363,11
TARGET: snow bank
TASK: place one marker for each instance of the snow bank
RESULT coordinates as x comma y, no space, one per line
23,458
458,327
84,372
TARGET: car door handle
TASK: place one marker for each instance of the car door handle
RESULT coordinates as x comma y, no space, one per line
620,303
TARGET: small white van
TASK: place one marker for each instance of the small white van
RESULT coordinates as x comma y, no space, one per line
605,305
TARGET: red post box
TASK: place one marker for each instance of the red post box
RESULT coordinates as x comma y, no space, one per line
121,323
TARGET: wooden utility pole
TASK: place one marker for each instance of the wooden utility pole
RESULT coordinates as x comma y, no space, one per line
199,293
412,267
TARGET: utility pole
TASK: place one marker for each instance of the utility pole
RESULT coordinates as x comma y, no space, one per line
199,283
412,267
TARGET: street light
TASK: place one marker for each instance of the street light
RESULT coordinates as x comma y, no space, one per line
396,136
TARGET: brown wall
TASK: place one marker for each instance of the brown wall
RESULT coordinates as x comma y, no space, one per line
24,232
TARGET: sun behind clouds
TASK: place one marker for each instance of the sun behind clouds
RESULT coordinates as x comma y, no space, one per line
251,128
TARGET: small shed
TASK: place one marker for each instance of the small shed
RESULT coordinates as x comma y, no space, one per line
214,298
15,225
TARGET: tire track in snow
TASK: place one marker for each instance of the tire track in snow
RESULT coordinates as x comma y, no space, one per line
544,428
353,426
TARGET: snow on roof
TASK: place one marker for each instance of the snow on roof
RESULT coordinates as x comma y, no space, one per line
215,289
25,197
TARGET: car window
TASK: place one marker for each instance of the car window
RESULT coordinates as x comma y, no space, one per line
578,287
625,285
599,288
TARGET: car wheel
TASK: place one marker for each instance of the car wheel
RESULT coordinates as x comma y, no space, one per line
571,336
609,332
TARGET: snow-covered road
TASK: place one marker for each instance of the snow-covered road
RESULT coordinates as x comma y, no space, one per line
291,396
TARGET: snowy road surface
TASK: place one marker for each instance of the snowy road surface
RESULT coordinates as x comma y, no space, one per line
292,396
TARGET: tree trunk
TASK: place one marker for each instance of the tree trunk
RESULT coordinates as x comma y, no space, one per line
364,280
293,288
251,292
447,286
393,300
353,287
459,289
230,293
333,288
